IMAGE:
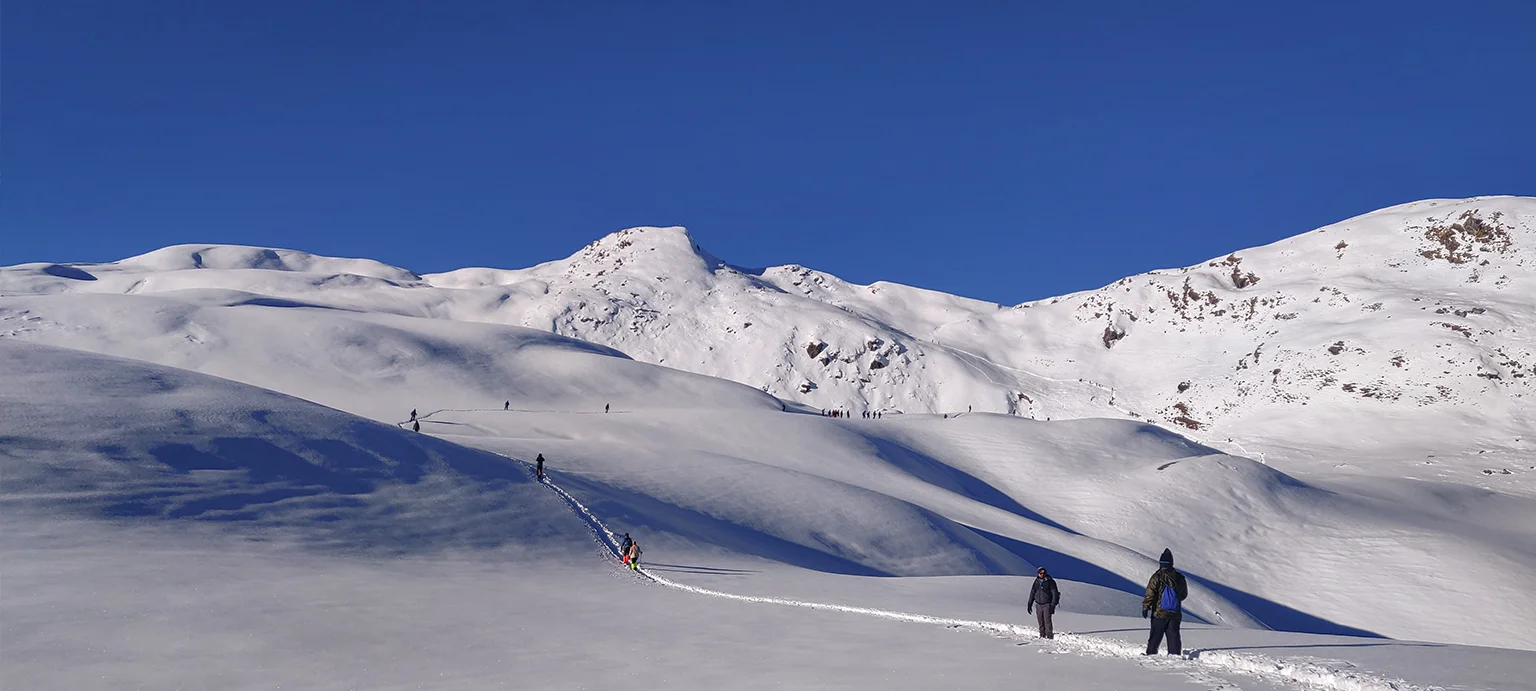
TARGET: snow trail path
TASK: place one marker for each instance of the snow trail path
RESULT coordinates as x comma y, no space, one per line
1197,663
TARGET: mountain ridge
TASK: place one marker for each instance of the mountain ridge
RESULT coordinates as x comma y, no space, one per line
1398,318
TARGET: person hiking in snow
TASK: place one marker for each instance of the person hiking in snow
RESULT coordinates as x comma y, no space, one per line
1044,597
506,406
1164,603
605,407
624,548
538,467
413,415
634,556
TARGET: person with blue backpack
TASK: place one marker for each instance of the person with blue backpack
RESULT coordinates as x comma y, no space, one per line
1164,603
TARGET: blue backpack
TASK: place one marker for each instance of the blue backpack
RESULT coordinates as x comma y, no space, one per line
1170,600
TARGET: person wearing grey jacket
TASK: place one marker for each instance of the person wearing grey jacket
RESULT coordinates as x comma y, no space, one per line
1044,597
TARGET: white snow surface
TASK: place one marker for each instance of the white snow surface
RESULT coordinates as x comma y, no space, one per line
187,531
158,519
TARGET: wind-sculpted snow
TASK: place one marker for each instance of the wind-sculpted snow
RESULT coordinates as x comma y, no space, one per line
378,365
96,437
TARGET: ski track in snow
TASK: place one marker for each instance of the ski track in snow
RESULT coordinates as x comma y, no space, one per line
1196,663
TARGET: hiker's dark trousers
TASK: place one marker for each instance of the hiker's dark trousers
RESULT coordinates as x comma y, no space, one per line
1043,618
1170,626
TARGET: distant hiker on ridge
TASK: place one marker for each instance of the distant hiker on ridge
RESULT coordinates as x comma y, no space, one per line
506,406
1164,602
1044,597
624,548
413,415
538,467
605,407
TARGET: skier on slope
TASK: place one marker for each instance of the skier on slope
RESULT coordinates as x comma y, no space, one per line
1044,598
634,556
538,467
624,546
1164,603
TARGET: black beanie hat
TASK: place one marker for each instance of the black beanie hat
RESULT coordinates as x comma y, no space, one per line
1167,558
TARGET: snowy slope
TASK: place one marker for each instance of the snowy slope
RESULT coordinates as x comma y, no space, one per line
1095,500
92,437
925,496
168,529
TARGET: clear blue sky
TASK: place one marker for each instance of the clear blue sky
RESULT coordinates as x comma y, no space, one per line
1001,150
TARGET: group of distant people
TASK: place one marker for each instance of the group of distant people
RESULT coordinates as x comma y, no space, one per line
416,422
867,414
1163,604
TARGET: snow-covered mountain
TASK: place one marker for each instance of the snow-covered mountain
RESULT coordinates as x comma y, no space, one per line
1397,322
1401,334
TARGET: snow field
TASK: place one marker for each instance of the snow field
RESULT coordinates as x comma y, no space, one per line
1307,674
1094,500
373,557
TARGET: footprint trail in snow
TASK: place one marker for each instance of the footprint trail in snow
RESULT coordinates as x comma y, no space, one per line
1198,664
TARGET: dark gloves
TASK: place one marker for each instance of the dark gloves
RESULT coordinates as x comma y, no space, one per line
1146,613
1030,608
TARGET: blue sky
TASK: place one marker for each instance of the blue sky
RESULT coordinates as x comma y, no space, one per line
1001,150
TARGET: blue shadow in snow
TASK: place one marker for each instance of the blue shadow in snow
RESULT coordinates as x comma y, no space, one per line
1064,566
70,272
940,474
1280,617
642,512
331,474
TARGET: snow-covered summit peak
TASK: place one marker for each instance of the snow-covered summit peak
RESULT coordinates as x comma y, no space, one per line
655,251
669,249
648,239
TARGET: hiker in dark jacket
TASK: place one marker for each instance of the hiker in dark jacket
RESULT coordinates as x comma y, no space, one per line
624,548
1164,603
1044,597
538,467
